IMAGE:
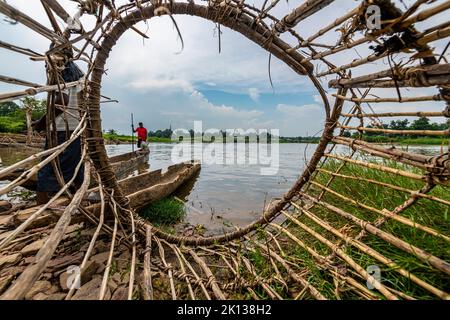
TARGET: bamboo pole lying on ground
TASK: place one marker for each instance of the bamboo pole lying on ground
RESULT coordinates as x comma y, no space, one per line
147,282
211,279
169,269
30,275
91,243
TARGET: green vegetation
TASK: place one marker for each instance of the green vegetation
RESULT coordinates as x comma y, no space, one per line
407,140
422,123
165,212
128,139
299,139
13,116
426,212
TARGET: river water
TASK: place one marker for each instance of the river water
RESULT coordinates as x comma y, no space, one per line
235,181
231,193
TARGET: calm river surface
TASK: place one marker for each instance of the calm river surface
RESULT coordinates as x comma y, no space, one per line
231,193
235,194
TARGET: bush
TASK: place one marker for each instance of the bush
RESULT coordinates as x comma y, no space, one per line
11,124
164,212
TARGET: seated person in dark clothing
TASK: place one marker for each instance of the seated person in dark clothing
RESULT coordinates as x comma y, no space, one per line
48,183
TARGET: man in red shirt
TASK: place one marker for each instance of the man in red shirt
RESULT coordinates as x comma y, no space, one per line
142,134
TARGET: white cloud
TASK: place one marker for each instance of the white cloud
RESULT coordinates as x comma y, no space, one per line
298,111
222,110
300,120
254,94
161,84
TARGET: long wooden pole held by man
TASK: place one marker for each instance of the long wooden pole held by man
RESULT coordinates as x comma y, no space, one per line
132,133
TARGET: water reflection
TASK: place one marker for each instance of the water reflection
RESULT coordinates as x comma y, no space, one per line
224,194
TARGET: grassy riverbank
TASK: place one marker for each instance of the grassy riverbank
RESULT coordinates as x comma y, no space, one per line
315,140
358,187
166,212
407,140
129,139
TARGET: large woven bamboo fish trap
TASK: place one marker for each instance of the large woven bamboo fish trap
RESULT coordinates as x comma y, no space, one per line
320,240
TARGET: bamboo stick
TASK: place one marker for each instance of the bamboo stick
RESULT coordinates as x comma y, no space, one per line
373,253
108,264
306,9
402,73
428,163
30,275
21,50
169,268
437,97
386,213
434,36
27,21
402,132
425,14
397,114
92,242
183,270
133,257
324,30
214,286
19,82
356,63
58,9
148,287
419,253
9,96
382,168
387,185
376,284
198,279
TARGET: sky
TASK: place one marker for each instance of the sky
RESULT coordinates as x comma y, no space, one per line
162,85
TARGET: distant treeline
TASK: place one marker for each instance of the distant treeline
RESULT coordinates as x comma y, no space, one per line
422,123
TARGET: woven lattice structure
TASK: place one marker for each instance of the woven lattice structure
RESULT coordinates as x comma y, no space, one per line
326,235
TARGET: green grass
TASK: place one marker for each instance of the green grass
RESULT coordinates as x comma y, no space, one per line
165,212
426,212
407,140
129,139
12,124
425,141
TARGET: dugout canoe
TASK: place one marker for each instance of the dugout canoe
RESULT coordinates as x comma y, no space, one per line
123,165
142,190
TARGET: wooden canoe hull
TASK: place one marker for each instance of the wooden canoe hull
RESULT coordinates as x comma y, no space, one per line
123,165
141,190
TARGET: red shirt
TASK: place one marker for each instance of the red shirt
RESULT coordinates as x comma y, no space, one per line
142,133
